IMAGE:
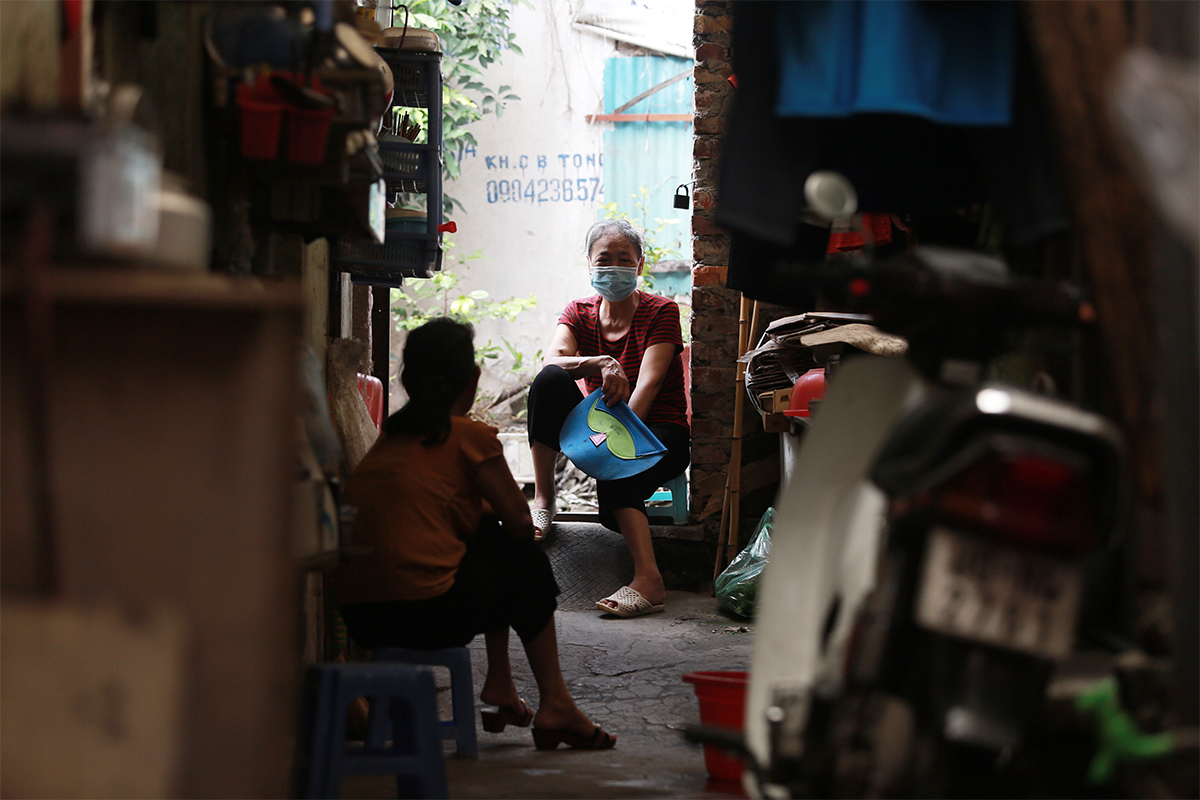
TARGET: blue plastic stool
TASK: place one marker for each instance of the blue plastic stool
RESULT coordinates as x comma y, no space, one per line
677,493
397,694
461,726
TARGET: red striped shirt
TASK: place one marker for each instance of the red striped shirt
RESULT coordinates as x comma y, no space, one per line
655,321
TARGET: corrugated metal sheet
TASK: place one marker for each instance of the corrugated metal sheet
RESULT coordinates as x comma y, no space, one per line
654,155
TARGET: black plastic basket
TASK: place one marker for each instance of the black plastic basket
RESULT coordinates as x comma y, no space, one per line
415,75
410,167
402,255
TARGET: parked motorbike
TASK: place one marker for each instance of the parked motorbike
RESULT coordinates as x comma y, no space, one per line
948,536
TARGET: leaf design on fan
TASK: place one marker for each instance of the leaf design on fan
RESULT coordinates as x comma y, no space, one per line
619,439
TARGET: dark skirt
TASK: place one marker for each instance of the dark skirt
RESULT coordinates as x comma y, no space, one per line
501,583
554,394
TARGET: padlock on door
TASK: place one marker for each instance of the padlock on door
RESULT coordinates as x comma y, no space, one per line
682,198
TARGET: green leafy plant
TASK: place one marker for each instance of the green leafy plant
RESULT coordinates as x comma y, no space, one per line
473,35
421,299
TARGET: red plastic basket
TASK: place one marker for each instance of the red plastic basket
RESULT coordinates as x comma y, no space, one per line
308,132
261,110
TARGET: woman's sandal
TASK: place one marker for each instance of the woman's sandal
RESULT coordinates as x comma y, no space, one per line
543,518
551,738
496,721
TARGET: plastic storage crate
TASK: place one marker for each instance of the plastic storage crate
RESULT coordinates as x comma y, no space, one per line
410,168
402,255
417,76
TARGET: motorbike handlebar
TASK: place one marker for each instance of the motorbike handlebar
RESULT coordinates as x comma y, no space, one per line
914,288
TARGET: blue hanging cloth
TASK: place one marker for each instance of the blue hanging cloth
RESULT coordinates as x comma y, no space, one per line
608,442
950,63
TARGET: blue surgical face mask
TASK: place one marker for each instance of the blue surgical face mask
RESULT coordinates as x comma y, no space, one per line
614,283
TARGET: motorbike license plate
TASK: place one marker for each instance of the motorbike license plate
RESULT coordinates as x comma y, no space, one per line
982,590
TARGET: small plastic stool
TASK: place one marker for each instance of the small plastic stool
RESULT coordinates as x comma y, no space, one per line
396,693
461,726
676,490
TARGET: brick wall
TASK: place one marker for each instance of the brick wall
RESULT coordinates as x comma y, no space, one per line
715,308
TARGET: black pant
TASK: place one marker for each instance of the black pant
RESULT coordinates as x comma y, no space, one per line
501,582
552,397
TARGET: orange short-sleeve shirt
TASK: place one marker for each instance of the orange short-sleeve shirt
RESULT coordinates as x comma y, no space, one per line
417,505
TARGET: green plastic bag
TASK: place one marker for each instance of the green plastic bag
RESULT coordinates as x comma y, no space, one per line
737,585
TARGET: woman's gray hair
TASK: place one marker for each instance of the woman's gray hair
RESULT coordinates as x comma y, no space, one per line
621,226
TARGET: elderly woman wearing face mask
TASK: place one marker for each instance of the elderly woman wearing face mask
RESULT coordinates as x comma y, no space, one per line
627,343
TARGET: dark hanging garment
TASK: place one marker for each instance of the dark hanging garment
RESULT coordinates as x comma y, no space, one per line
898,163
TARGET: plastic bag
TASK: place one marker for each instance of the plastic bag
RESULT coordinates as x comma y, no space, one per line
354,422
737,586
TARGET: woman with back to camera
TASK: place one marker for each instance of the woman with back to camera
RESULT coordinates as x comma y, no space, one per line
627,343
444,544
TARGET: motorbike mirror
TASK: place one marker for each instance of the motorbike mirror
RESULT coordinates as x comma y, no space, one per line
830,195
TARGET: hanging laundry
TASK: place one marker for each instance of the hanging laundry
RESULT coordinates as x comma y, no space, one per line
902,164
947,62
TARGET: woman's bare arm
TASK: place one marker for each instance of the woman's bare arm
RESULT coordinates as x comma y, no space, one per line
563,352
655,362
505,497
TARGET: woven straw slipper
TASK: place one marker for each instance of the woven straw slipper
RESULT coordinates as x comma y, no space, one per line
630,603
542,519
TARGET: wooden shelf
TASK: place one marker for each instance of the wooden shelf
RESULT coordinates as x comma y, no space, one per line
155,288
149,455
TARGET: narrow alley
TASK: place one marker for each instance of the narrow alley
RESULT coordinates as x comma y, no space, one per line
626,674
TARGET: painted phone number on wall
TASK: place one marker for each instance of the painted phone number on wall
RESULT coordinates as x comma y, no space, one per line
545,190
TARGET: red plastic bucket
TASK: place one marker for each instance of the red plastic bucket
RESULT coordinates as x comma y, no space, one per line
722,697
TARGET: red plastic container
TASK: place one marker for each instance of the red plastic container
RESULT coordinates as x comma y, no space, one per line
308,130
262,118
722,697
371,389
808,387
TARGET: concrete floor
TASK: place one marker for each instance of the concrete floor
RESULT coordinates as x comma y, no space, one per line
627,675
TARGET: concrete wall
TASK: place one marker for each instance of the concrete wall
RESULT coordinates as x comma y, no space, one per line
534,247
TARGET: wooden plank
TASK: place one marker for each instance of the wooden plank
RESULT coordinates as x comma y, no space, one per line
93,701
638,117
160,288
755,476
1079,44
171,452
